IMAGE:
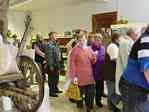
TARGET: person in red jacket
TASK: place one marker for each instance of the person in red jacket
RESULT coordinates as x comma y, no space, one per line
81,73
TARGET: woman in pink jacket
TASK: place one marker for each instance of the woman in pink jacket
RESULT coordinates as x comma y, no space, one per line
80,70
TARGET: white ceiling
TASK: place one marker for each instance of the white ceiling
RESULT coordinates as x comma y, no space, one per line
33,5
40,4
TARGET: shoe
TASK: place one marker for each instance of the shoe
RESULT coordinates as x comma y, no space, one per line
58,91
117,110
72,100
53,95
113,108
79,104
99,104
104,95
115,99
88,110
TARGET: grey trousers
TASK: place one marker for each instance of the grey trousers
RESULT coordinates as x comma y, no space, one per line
132,96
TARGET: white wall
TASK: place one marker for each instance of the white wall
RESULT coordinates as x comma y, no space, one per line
78,14
72,16
16,22
134,10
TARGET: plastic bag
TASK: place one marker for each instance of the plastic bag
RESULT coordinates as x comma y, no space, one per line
8,62
73,92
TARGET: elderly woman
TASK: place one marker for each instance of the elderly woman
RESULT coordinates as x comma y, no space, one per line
80,71
99,49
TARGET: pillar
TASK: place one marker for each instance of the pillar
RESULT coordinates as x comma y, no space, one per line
4,4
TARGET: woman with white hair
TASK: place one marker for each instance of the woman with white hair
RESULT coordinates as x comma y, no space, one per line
99,49
124,51
80,71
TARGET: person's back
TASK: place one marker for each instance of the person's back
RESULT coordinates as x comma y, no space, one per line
134,86
134,65
38,58
38,46
124,50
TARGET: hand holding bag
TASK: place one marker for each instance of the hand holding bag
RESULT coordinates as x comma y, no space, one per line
73,92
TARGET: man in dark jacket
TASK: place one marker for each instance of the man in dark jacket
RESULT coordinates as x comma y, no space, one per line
53,56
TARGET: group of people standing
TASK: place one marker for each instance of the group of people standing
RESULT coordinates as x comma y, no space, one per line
123,65
88,70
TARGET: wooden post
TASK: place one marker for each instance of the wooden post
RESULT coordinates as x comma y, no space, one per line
4,4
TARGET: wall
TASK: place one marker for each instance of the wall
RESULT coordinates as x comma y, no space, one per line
71,16
16,22
134,10
78,14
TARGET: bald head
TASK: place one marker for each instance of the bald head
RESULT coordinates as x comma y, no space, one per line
132,33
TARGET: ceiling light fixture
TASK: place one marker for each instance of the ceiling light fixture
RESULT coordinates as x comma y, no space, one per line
103,0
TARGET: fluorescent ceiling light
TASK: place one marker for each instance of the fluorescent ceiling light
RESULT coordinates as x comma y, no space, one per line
103,0
18,3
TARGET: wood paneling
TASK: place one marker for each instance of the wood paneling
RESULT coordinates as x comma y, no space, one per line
103,20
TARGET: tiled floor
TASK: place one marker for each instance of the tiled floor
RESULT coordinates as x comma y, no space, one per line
61,104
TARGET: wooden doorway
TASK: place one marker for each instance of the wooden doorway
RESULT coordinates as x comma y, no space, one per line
103,21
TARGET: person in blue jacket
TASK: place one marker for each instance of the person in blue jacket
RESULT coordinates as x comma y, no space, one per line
134,83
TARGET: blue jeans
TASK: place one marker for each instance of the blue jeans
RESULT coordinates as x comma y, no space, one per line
143,107
111,90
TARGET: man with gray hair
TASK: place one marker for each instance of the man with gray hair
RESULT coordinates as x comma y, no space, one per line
124,50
